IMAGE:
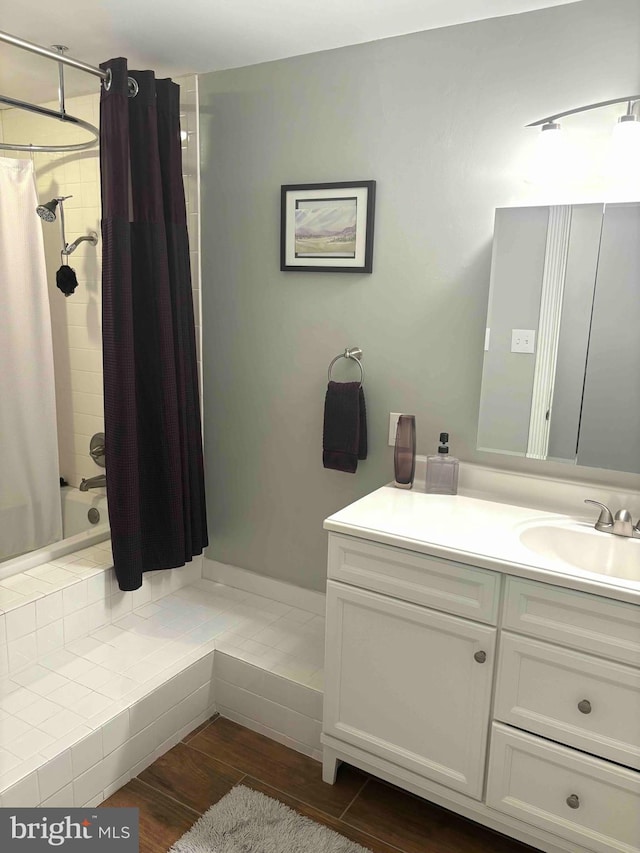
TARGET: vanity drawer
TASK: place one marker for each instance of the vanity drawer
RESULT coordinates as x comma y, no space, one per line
585,800
578,619
418,578
577,699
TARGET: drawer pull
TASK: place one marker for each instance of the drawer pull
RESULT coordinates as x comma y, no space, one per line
480,657
573,801
584,707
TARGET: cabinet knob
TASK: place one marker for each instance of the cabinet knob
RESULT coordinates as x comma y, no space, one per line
584,706
573,801
480,657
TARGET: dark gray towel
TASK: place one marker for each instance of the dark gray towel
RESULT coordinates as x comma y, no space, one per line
345,427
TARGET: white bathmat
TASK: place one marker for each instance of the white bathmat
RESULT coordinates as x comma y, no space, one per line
245,821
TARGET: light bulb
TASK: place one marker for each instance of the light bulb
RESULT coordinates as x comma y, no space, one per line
624,157
550,162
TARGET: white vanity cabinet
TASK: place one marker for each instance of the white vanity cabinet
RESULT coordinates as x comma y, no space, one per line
511,701
408,683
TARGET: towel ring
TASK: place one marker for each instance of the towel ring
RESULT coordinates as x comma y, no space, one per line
354,353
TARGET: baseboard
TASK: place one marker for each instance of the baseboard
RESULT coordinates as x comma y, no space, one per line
287,593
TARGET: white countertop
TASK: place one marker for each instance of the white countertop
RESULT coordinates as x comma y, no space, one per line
487,533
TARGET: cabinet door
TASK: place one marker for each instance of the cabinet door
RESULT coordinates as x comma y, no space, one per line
409,684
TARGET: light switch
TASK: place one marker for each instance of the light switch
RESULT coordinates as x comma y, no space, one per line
523,340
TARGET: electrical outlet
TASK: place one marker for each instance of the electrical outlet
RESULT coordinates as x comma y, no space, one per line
523,340
393,425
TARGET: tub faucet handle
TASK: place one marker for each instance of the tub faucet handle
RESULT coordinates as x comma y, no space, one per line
605,519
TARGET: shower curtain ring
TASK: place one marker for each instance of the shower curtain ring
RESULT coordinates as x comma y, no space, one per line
133,87
107,80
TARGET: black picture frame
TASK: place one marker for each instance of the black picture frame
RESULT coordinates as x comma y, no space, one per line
327,227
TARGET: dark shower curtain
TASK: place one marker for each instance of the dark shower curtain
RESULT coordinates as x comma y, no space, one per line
154,467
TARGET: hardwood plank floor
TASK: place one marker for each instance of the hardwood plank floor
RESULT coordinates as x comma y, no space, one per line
190,776
276,765
162,820
181,785
417,826
367,841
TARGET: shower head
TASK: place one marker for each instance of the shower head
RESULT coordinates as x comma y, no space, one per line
47,211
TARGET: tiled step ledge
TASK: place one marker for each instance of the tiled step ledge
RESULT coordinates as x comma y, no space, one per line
84,765
54,604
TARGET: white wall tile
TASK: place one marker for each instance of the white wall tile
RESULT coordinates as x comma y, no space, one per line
116,732
62,723
115,786
98,615
89,784
54,775
61,799
24,794
18,700
39,711
31,743
74,597
94,705
120,605
4,661
48,609
21,622
50,639
69,695
22,652
86,753
98,588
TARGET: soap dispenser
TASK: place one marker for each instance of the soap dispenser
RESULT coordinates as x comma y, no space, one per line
442,470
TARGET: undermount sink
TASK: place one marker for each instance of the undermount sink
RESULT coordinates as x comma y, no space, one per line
580,546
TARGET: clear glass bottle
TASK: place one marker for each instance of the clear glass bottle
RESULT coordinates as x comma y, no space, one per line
442,470
404,455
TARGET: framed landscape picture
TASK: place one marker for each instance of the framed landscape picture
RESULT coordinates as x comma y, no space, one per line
327,227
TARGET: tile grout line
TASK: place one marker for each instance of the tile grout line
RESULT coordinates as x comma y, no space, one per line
164,794
374,837
215,758
359,791
195,733
327,814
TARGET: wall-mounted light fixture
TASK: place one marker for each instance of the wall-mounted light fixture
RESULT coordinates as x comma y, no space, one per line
628,119
625,144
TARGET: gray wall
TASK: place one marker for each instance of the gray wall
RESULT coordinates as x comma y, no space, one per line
436,118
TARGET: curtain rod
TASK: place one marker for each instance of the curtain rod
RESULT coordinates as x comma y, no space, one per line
51,54
62,115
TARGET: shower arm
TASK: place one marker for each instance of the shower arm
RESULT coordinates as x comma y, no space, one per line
69,248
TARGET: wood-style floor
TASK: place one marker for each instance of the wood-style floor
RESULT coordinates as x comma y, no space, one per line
174,791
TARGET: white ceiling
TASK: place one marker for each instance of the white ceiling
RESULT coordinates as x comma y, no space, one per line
175,38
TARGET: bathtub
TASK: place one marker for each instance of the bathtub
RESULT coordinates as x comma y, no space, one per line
79,531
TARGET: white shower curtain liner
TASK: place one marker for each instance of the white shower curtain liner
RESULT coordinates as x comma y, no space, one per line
30,514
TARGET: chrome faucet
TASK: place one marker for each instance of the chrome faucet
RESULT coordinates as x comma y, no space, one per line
96,482
621,525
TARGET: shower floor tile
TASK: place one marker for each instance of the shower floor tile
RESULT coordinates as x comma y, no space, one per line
51,705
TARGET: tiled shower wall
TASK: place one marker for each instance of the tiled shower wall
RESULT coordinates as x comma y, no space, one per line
76,320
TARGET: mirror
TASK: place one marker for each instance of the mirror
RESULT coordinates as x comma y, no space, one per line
562,348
